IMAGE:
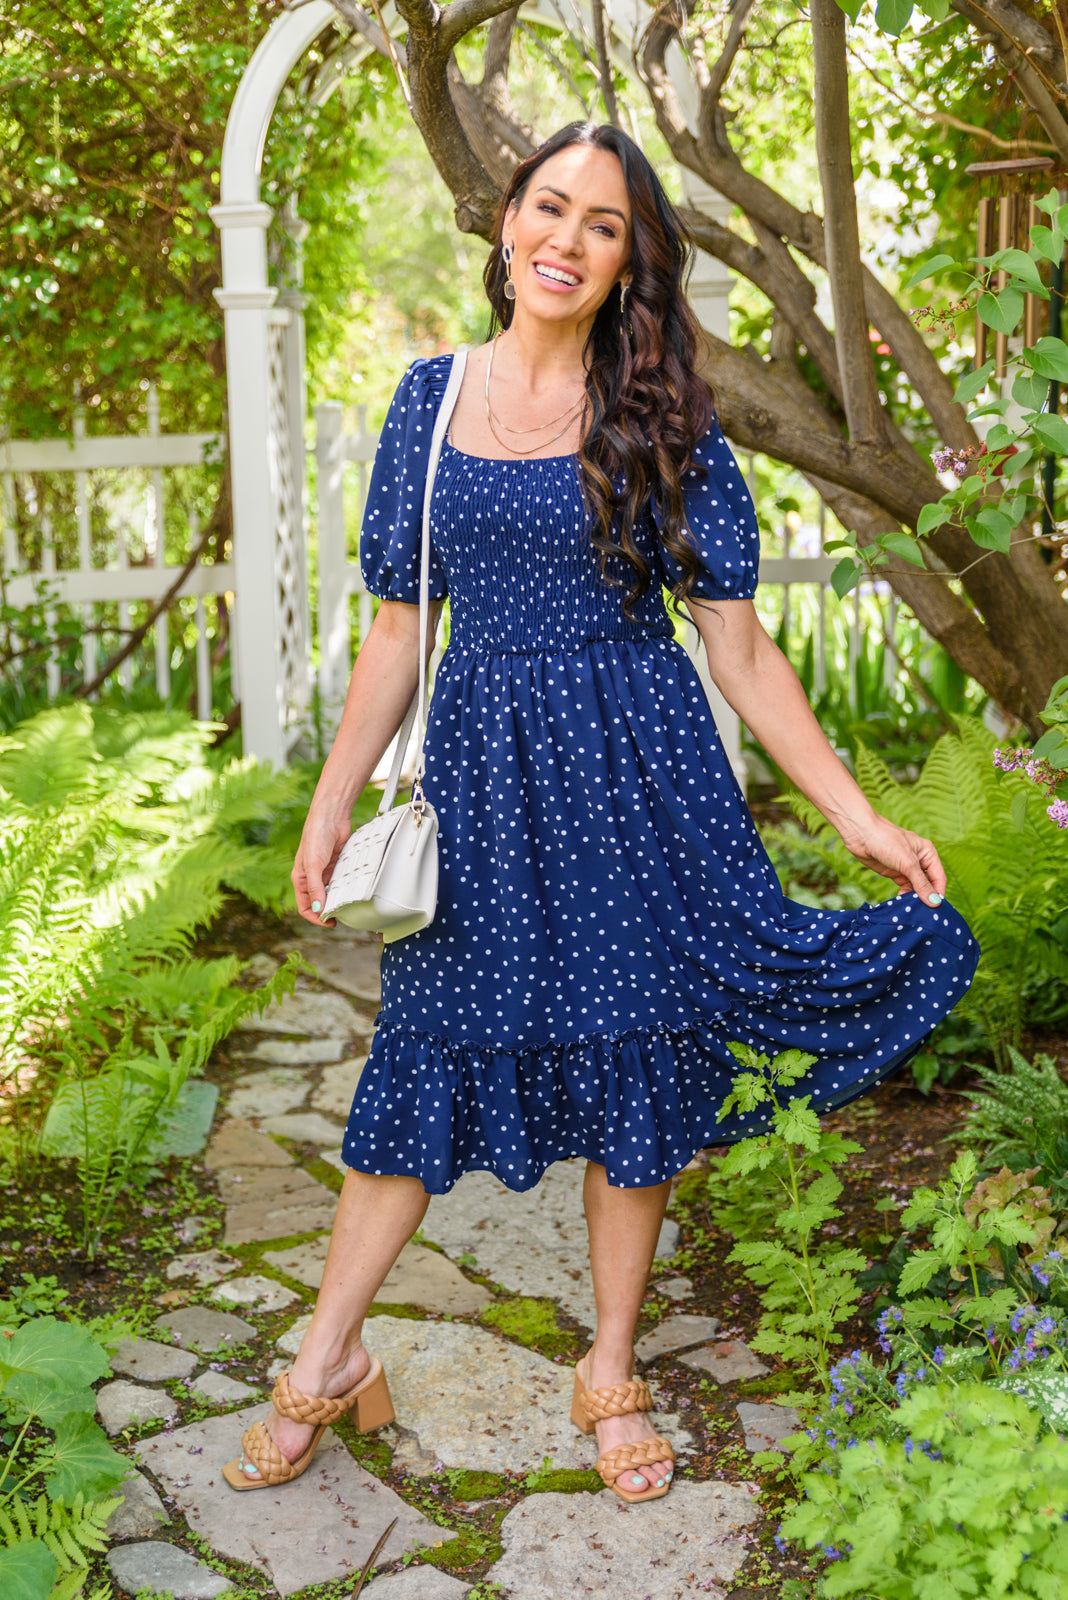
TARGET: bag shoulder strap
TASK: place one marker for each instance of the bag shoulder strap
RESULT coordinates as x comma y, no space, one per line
419,705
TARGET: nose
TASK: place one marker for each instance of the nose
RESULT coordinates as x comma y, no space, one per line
567,235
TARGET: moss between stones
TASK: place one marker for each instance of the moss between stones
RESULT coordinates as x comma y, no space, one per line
775,1383
386,1308
372,1453
325,1172
475,1485
471,1545
567,1480
530,1322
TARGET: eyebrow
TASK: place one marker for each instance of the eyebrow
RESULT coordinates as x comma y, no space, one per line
560,195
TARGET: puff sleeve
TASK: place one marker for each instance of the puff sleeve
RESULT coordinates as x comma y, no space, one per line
722,524
392,526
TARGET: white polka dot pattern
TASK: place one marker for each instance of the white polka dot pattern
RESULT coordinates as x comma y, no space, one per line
607,916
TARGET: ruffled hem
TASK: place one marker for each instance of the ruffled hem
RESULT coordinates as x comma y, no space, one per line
641,1103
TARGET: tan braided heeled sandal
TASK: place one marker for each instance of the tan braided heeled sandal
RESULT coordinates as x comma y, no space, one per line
591,1406
369,1400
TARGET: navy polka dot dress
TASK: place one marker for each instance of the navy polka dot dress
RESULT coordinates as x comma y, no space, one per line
607,917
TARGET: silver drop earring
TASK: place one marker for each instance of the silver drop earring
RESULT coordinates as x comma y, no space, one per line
507,253
623,311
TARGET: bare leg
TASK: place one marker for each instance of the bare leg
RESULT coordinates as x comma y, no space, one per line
623,1226
376,1216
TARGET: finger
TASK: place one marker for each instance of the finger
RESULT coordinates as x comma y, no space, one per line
932,865
308,888
922,884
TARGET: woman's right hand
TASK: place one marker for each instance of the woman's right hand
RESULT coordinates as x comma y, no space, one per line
320,845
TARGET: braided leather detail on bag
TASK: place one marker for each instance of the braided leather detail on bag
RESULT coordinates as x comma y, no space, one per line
265,1455
614,1463
311,1408
617,1400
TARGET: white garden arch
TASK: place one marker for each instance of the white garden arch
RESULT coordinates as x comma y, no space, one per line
267,401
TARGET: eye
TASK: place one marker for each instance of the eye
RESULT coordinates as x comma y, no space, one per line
607,229
549,205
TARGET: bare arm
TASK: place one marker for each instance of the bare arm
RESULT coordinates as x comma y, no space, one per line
758,683
380,692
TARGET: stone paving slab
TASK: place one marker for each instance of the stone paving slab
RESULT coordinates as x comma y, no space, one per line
164,1569
305,1127
420,1277
299,1052
267,1092
203,1266
728,1362
474,1400
345,964
150,1360
417,1583
676,1288
123,1404
141,1512
684,1544
239,1144
255,1293
318,1016
260,1220
675,1333
533,1243
242,1185
197,1328
337,1087
221,1389
316,1530
766,1426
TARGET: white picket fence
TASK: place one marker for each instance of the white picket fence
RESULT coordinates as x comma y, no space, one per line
120,515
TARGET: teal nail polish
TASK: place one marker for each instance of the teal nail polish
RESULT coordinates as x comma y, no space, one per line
637,1480
317,906
660,1483
935,900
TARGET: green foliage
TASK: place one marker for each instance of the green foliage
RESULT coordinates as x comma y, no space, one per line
778,1191
529,1322
1007,871
1020,1119
978,1510
58,1469
118,839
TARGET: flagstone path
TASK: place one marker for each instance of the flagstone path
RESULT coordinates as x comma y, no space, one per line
470,1396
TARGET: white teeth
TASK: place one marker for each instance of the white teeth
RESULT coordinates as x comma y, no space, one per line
556,274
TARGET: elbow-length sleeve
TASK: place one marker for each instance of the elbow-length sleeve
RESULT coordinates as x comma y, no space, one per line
722,524
392,526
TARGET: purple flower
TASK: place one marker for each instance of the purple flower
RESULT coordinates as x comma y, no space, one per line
1042,1277
939,1355
780,1544
1058,812
909,1447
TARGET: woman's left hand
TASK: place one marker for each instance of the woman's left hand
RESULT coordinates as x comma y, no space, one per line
900,855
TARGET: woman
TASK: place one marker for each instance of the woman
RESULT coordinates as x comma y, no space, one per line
608,920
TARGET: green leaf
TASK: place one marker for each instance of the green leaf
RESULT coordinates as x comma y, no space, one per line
1049,202
931,269
905,546
1049,242
1001,311
973,383
1018,264
932,516
999,436
83,1462
1053,432
893,15
27,1571
34,1395
1049,357
1018,810
991,530
61,1352
846,576
1030,391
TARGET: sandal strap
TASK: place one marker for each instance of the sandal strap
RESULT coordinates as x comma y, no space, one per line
265,1455
617,1400
310,1408
614,1463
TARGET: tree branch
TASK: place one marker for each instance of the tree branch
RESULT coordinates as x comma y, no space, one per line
999,23
460,16
604,62
864,411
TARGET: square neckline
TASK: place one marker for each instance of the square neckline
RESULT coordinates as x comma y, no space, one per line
507,461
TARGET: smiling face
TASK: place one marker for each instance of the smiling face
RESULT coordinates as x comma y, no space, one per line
570,234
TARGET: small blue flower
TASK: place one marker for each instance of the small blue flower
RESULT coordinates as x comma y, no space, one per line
780,1544
899,1384
1042,1277
909,1447
939,1355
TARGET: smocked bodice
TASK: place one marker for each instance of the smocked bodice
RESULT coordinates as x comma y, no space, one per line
523,576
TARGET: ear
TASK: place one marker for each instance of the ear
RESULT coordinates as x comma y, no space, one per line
507,235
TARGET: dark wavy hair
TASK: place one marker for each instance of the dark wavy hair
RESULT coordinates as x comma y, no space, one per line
647,406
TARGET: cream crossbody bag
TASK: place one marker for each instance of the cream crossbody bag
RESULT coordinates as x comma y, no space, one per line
386,878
